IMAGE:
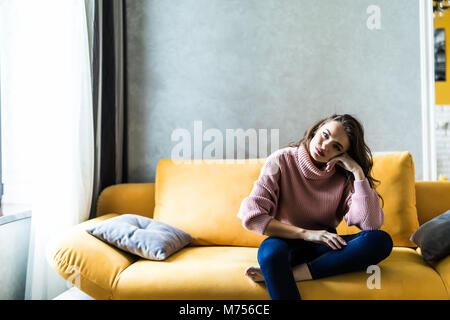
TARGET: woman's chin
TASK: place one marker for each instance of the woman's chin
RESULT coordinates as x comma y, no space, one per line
317,161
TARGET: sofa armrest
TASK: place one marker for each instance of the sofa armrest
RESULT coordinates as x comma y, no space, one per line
432,199
136,198
88,263
443,268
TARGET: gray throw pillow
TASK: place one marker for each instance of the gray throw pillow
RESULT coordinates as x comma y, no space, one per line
433,237
142,236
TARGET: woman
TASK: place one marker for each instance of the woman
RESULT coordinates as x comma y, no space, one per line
302,194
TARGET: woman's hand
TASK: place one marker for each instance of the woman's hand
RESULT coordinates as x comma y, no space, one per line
324,237
347,162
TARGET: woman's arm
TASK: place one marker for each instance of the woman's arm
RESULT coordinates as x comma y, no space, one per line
279,229
258,208
363,205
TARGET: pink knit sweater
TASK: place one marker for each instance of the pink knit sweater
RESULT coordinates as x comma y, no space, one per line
291,189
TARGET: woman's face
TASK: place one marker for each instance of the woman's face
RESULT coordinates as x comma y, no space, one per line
329,141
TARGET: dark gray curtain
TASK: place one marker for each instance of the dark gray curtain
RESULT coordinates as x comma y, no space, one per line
109,95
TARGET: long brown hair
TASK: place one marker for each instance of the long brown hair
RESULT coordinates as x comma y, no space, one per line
358,150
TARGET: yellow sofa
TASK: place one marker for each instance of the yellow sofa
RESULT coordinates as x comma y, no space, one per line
202,197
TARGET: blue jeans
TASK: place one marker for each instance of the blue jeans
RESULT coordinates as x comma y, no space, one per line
277,256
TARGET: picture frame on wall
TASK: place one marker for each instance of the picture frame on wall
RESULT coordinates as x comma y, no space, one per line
439,54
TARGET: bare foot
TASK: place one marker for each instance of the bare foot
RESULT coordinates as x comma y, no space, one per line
254,273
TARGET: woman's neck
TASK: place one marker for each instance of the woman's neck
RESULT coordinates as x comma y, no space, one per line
319,165
311,170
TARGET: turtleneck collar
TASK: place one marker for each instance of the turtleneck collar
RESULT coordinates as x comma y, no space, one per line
308,168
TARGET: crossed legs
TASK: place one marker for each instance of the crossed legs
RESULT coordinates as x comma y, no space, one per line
283,262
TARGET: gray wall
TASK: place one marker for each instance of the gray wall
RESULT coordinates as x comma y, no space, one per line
269,64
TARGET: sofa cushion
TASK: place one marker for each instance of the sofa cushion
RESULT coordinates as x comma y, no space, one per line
217,272
202,197
142,236
201,272
433,237
403,276
396,174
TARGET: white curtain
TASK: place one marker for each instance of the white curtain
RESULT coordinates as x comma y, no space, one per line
46,70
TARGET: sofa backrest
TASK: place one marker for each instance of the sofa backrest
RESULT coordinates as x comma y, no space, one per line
202,197
432,199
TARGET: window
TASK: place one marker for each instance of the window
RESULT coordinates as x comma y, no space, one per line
15,155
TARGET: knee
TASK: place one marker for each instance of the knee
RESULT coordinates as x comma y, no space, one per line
380,242
384,242
271,251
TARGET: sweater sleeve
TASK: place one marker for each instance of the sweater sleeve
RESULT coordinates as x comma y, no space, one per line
258,208
363,207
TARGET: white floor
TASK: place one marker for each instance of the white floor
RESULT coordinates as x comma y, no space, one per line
73,294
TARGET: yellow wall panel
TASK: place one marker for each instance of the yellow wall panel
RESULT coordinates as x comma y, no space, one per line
443,87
